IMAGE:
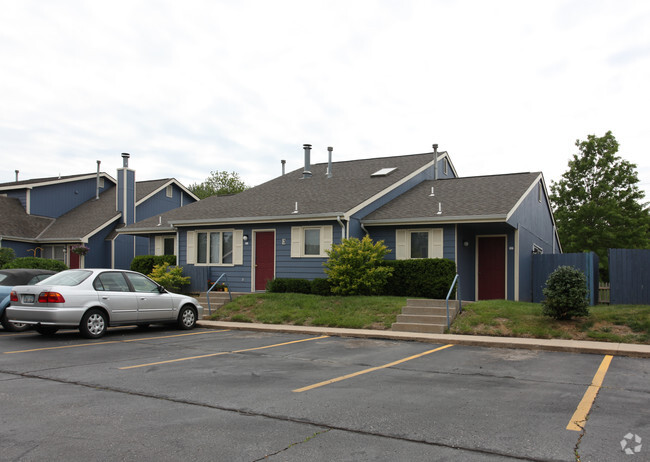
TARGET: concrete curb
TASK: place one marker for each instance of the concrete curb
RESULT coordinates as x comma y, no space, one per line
571,346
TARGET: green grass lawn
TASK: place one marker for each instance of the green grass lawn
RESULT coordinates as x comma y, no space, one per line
313,310
619,323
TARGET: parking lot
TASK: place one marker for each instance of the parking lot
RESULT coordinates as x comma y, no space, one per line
163,394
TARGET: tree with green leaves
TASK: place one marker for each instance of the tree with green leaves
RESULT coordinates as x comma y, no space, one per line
598,203
219,183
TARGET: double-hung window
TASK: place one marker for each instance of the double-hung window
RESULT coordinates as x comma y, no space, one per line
214,247
418,243
310,241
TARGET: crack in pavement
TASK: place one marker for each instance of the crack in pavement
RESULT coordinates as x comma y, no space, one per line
301,421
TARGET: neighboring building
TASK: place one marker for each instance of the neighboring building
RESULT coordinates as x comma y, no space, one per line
47,217
489,225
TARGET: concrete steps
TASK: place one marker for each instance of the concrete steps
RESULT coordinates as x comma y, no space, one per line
425,316
217,300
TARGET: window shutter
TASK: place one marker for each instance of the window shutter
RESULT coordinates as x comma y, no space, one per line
191,248
325,239
435,243
296,241
400,244
238,247
158,245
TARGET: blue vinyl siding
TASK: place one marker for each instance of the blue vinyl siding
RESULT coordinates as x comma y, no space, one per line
57,199
20,248
159,203
99,249
19,194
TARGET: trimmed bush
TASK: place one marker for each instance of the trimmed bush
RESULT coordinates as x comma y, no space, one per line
321,286
426,277
566,294
35,262
282,285
355,267
6,255
144,263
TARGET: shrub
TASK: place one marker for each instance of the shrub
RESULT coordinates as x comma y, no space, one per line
355,267
566,294
426,277
169,278
282,285
6,255
144,263
35,262
321,286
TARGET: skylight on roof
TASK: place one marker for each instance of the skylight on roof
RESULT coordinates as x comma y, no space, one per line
384,171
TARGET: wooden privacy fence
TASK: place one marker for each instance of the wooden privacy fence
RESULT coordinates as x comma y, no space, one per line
629,276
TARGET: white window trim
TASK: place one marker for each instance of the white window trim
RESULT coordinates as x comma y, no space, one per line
403,243
237,247
159,244
169,191
298,239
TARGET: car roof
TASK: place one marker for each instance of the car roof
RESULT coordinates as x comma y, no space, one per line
18,276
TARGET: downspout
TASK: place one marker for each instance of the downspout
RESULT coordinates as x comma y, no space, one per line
364,229
338,218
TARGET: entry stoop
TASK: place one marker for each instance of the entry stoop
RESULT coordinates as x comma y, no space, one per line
425,316
217,300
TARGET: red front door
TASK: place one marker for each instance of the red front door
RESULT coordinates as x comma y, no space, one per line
264,258
74,259
491,268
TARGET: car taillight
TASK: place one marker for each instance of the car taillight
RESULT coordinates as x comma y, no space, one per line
13,297
50,297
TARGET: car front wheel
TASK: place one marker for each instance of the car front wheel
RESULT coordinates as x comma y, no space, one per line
187,318
93,324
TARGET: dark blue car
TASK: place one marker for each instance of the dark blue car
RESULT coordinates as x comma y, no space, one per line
17,277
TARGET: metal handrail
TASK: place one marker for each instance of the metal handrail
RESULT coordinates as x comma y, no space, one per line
460,303
207,294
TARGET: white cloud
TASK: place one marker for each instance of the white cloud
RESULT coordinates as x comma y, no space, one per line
194,86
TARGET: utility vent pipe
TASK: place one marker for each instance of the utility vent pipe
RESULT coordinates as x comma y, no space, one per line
435,161
125,159
17,172
307,172
432,192
439,208
97,182
329,162
283,162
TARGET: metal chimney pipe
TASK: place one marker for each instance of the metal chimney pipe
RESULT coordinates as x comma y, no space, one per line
125,159
329,162
17,172
307,172
435,161
283,162
97,183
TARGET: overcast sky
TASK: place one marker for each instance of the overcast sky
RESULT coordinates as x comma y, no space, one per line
188,86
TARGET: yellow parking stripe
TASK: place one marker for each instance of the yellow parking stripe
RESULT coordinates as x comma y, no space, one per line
114,341
366,371
579,418
221,353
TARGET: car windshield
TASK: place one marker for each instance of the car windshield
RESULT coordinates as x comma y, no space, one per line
67,278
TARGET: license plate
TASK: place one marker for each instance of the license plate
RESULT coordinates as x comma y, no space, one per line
28,298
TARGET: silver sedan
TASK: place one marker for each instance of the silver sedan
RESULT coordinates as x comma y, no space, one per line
93,299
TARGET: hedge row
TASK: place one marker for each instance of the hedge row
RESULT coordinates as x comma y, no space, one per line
35,262
299,286
144,263
427,278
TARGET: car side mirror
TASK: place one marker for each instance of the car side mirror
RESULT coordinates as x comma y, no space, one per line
161,289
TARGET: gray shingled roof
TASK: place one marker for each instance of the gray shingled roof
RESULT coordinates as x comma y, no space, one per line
483,197
15,222
351,184
144,188
53,179
84,219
